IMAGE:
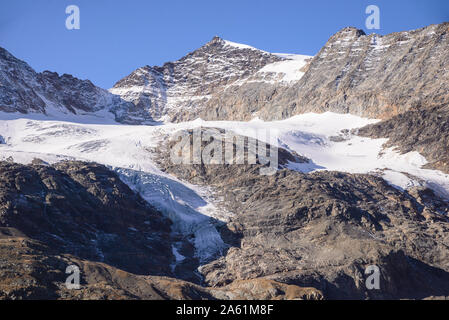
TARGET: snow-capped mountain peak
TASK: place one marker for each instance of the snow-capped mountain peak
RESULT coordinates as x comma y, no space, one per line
181,89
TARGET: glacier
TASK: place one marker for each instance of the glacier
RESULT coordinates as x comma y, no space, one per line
195,213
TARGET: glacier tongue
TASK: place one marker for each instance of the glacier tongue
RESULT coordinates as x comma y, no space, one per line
180,204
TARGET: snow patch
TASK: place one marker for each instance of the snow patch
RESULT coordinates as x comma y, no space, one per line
240,45
289,70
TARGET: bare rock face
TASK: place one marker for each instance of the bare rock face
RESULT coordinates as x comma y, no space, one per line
26,91
324,229
264,289
375,76
425,130
16,93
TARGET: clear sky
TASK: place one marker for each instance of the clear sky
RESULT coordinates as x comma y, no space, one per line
118,36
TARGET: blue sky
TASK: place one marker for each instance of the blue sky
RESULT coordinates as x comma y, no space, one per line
117,37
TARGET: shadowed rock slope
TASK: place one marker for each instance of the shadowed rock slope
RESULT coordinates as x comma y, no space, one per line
30,269
85,210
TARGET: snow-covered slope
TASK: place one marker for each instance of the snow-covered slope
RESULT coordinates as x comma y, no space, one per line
326,139
130,151
289,70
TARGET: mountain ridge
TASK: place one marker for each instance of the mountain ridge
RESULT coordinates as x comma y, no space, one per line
24,90
368,75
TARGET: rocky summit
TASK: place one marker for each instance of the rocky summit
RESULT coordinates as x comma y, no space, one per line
232,173
182,88
369,75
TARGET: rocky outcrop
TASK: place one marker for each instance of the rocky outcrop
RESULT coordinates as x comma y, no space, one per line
264,289
31,270
323,229
234,148
425,130
24,90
